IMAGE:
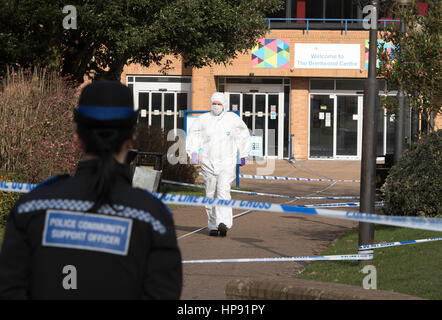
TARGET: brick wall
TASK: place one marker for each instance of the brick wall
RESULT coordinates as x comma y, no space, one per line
203,86
241,66
177,69
204,79
299,122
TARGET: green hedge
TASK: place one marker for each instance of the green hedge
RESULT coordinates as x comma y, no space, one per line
414,185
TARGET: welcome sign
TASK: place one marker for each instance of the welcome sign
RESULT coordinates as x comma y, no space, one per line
327,56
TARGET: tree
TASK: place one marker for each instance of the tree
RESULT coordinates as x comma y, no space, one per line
112,33
415,63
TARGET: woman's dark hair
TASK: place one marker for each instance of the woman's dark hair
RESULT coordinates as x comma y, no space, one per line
105,119
104,143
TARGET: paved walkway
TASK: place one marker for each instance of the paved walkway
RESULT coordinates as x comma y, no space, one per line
264,234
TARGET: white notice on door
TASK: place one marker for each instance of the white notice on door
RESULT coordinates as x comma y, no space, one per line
327,119
143,113
321,116
355,117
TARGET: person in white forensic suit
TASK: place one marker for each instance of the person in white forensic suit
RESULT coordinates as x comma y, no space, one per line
221,140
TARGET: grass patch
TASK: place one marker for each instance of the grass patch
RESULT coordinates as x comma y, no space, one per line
190,191
410,269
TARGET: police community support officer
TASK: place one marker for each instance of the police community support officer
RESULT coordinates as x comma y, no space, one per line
93,236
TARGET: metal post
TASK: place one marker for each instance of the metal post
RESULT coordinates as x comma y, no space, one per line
368,161
291,148
288,11
400,116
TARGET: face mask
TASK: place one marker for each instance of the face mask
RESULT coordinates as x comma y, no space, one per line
217,109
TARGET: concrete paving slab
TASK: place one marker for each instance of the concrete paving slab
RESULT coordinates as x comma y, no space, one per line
264,234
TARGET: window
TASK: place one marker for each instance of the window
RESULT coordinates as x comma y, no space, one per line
343,84
288,10
334,9
162,79
254,80
278,14
353,84
322,85
314,9
331,9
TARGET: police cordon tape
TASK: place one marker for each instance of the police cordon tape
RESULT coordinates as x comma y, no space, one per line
434,224
266,194
16,187
336,205
26,187
394,244
288,259
249,176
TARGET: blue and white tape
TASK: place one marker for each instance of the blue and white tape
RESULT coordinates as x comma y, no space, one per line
266,194
337,205
16,187
288,259
248,176
397,243
26,187
365,252
434,224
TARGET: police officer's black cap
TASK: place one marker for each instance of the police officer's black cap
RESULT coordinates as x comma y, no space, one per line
106,104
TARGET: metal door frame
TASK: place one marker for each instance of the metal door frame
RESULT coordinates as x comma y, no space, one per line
359,127
334,96
280,111
175,111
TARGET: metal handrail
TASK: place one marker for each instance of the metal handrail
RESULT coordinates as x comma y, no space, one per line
345,21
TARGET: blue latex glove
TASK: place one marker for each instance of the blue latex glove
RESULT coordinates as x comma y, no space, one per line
194,158
243,162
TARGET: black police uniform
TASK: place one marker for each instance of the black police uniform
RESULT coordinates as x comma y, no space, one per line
128,251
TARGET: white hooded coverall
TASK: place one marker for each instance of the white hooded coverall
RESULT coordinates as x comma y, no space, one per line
218,139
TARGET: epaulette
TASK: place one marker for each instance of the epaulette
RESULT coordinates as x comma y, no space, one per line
52,180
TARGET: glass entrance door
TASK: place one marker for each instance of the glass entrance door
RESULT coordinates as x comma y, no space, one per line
335,126
163,109
321,126
261,113
347,115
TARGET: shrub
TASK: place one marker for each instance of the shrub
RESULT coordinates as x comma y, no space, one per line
36,124
7,201
151,139
414,185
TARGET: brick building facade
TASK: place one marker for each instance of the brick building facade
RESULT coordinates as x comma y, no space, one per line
302,111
